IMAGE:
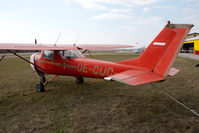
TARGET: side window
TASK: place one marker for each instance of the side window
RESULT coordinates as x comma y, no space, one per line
49,54
65,54
73,54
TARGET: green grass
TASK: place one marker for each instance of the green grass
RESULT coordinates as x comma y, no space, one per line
98,105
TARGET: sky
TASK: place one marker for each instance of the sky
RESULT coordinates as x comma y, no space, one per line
132,22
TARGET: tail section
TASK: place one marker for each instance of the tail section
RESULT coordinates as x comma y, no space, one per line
161,53
156,61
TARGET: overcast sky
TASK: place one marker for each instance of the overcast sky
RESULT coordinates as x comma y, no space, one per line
134,22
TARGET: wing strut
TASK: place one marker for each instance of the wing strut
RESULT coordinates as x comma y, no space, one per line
24,59
2,57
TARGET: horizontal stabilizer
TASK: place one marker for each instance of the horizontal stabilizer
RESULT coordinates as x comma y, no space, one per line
135,77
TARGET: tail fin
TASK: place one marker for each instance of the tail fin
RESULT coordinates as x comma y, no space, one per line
161,53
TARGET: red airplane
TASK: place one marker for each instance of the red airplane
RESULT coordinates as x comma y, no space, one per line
154,64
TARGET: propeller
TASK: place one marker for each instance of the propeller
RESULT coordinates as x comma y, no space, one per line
35,41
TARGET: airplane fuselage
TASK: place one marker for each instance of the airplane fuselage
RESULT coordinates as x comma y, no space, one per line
79,66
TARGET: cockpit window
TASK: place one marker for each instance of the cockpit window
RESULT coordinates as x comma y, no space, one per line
67,54
49,54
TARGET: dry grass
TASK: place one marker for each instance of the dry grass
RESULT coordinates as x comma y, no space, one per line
98,105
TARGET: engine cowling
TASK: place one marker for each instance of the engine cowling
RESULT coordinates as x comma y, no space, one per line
32,60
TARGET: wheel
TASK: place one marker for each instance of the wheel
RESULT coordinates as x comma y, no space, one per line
43,79
40,87
80,80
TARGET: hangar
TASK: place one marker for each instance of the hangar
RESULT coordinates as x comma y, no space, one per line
191,44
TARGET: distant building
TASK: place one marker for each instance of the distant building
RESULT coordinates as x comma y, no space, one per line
191,44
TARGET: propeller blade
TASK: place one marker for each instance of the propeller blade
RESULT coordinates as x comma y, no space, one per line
35,41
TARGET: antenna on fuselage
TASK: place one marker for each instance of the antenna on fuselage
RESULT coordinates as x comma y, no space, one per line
76,40
58,38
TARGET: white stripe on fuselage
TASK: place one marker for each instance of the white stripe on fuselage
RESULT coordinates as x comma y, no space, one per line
159,43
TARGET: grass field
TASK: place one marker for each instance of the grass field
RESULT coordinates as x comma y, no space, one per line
97,106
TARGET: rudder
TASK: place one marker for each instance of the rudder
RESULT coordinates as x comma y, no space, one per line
166,61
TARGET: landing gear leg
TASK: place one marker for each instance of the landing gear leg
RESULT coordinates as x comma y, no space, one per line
40,85
79,80
43,79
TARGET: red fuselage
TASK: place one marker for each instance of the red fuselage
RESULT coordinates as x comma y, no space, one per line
79,66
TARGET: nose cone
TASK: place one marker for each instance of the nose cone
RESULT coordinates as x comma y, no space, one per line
32,60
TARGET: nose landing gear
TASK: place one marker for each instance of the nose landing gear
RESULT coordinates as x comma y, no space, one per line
43,79
40,85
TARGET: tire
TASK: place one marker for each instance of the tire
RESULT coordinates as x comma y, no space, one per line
40,87
79,80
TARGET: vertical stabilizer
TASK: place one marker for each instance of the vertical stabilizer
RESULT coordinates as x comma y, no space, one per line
161,53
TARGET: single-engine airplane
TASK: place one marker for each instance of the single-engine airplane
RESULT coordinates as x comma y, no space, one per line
154,64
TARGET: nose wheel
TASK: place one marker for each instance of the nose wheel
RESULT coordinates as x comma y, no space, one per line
40,85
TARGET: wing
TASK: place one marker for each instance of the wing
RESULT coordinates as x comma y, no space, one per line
104,46
22,46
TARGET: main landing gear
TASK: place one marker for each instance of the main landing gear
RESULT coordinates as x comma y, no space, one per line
40,85
79,80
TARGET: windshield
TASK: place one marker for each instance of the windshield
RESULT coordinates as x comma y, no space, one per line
66,54
49,54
